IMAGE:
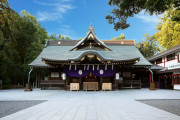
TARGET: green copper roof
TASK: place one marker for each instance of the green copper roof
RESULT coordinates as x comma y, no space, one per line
117,53
62,52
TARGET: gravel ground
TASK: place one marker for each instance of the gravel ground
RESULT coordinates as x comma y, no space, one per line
10,107
169,105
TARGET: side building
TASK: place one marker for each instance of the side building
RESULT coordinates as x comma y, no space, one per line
166,68
92,64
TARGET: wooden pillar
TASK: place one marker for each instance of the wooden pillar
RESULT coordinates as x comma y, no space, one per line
173,81
80,84
116,84
100,86
159,83
149,77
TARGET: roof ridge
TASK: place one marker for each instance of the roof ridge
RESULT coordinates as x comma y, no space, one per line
164,52
90,32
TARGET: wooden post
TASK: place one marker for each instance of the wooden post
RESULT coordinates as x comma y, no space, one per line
159,83
80,84
173,81
100,83
149,77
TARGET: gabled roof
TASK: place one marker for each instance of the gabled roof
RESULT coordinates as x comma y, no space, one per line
105,56
91,34
165,53
62,53
156,67
115,51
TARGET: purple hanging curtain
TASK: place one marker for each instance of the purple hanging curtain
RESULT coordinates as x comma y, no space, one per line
75,73
106,73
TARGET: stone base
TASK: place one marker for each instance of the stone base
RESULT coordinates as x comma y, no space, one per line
152,86
28,90
28,87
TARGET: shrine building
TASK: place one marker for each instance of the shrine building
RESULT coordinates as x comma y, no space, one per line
92,64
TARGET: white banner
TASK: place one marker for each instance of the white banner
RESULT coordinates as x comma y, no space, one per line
173,66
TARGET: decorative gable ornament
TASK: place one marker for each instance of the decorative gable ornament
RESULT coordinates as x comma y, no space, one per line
90,35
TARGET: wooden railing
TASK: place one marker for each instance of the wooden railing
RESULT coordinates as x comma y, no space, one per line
131,84
52,82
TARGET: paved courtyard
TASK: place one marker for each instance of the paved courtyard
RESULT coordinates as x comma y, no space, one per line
91,105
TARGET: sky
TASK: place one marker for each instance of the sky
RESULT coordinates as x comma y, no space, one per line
73,18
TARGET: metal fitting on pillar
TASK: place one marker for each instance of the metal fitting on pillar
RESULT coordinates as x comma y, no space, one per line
75,67
88,67
106,67
70,67
98,67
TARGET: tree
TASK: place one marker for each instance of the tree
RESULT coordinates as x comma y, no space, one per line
168,31
62,37
121,37
128,8
81,38
59,37
67,38
22,38
148,46
8,29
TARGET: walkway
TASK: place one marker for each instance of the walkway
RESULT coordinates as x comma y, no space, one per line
81,105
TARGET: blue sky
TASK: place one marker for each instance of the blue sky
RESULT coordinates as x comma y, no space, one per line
73,17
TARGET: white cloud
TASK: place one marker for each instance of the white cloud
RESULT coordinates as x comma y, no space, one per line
63,8
66,30
56,9
154,19
149,19
46,16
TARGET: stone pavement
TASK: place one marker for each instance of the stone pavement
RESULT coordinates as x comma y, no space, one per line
99,105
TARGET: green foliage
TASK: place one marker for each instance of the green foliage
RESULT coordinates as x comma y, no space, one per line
59,37
123,9
67,38
148,47
22,38
6,86
52,36
81,38
121,37
168,31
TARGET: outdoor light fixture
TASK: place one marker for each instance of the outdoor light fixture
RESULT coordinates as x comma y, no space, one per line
117,76
101,71
64,76
80,72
